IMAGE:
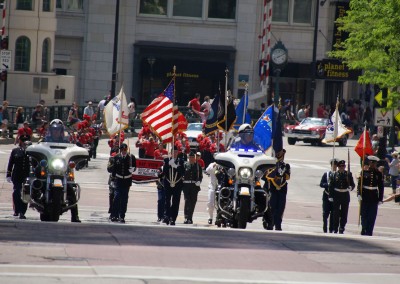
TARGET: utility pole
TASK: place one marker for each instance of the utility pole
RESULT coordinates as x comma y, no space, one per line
115,52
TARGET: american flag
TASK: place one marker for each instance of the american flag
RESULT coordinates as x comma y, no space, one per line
158,115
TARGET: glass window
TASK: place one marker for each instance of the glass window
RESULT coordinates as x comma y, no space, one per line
222,9
59,4
280,11
302,11
46,55
155,7
74,4
22,54
188,8
46,5
24,5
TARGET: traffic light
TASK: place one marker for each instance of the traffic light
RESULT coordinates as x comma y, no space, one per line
4,43
3,75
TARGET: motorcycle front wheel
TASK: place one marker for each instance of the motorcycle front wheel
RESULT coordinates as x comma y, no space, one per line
52,212
244,212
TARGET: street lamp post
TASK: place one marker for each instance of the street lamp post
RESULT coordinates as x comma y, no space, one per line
115,51
151,60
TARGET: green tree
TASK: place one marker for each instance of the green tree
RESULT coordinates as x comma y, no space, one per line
373,44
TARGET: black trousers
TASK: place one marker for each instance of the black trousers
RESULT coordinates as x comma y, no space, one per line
278,204
190,193
172,200
369,210
19,206
341,202
327,213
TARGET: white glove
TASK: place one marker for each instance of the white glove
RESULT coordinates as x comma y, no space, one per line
197,183
173,164
330,199
359,197
350,188
9,179
380,202
131,169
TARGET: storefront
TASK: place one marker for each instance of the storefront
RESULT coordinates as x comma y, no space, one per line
199,69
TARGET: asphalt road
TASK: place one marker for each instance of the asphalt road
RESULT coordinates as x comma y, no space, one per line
143,251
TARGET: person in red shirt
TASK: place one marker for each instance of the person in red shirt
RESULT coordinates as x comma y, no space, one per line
161,152
43,130
321,110
195,103
24,131
149,147
200,160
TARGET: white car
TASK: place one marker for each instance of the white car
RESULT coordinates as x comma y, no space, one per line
192,132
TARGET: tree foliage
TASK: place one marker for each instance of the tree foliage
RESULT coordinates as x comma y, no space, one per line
373,44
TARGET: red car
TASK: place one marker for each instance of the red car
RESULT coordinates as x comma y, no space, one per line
311,130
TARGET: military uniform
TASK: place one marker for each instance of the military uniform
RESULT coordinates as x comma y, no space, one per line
111,183
327,206
276,185
371,195
18,170
340,185
122,173
191,186
173,171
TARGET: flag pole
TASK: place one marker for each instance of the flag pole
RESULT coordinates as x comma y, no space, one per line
173,105
226,102
335,131
120,116
245,102
362,172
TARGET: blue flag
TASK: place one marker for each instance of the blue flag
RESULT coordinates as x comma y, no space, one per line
212,119
263,129
242,116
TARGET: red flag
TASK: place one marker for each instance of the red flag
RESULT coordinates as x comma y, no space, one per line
158,115
364,145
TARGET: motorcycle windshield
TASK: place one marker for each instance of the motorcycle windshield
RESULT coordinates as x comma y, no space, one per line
250,147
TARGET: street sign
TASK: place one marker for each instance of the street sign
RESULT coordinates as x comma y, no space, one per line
378,99
383,117
5,59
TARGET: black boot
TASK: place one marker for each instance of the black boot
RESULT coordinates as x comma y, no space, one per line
74,214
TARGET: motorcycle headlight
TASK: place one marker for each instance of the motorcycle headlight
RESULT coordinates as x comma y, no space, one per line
245,173
58,164
231,172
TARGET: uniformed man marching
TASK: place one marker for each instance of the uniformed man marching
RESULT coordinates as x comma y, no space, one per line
370,191
191,186
173,171
276,185
327,206
340,185
124,165
17,172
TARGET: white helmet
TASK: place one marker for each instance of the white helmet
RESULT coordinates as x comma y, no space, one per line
56,122
245,128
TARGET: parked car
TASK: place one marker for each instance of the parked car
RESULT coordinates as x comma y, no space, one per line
311,130
192,132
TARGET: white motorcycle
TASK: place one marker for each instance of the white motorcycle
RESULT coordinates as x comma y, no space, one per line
51,188
240,198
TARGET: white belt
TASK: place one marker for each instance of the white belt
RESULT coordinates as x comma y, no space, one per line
189,181
123,177
370,187
342,189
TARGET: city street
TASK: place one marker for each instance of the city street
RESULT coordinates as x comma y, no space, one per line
144,251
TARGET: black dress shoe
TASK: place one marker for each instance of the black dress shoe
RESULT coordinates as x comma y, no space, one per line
186,221
172,223
114,219
122,220
166,221
190,221
15,214
341,231
210,221
76,220
159,220
22,216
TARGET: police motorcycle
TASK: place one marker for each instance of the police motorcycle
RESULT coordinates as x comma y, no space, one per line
239,197
51,188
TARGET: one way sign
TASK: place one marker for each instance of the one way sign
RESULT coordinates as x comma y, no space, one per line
383,117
